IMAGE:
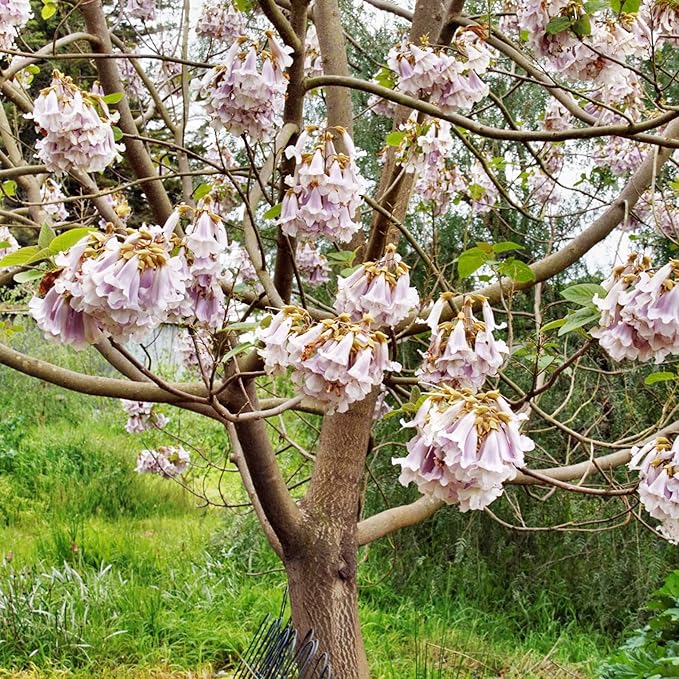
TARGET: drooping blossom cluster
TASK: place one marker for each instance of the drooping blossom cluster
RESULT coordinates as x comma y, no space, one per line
619,154
660,19
142,416
239,267
640,312
336,361
220,21
325,188
481,191
311,264
8,243
462,352
424,147
439,187
379,289
466,446
313,62
660,211
450,79
141,9
245,93
121,286
167,461
13,15
658,466
52,198
76,128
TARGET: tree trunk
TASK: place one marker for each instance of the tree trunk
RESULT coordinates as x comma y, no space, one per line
323,597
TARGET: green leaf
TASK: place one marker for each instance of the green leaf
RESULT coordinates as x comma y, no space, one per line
69,238
46,236
517,270
343,257
506,246
238,349
395,138
471,260
240,326
386,78
33,69
20,257
486,248
578,319
553,325
345,273
40,256
30,275
592,6
274,211
117,133
243,5
558,25
660,377
4,244
48,11
201,191
113,98
583,26
9,187
583,293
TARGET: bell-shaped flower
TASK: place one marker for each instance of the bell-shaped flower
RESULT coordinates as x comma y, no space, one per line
13,15
311,264
658,466
142,9
167,461
379,289
325,189
142,416
246,93
275,333
76,128
466,446
52,198
219,20
462,352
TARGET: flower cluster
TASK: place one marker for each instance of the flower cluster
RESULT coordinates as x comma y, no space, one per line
659,211
660,19
311,264
239,266
325,189
640,312
336,361
168,462
142,9
380,289
8,243
425,146
52,198
466,446
462,352
438,186
122,287
246,92
13,15
220,21
195,349
542,185
142,416
450,80
313,62
75,127
658,466
120,205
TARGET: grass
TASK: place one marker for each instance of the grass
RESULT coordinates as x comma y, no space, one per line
107,574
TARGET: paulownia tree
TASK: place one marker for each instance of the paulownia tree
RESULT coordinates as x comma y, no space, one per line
198,167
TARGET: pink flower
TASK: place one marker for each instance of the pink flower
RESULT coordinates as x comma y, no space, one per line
13,15
466,446
142,416
336,361
76,128
311,264
658,466
462,352
8,243
325,189
245,94
380,290
220,21
142,9
168,462
52,197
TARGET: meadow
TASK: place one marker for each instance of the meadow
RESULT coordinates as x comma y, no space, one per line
106,573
